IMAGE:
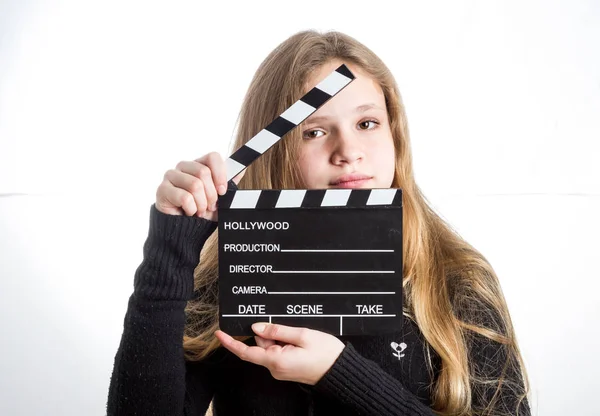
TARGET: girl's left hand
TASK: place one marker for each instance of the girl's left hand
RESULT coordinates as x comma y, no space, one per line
306,356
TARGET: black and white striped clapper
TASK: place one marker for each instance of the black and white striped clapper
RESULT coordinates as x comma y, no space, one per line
326,259
290,118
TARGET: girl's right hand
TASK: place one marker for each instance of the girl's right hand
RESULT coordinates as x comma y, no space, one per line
192,188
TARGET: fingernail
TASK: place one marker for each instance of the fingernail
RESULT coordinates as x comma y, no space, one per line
258,327
222,189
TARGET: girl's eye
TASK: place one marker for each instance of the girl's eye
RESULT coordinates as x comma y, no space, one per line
312,134
364,125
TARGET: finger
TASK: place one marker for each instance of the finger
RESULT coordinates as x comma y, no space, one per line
218,170
206,176
191,184
177,197
256,355
288,334
236,179
263,343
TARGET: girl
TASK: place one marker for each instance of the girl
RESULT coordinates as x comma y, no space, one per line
456,352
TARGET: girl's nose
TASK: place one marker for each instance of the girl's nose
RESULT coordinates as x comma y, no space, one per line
347,149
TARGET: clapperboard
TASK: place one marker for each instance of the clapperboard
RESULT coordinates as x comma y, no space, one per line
326,259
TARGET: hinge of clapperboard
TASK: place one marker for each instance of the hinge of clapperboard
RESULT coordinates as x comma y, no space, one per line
336,81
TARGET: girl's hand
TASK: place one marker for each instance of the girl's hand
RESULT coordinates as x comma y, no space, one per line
305,356
192,188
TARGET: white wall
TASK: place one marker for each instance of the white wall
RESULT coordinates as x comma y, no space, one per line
99,99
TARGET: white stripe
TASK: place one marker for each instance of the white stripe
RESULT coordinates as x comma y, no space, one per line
336,197
333,83
262,141
245,199
335,251
381,196
290,198
310,316
233,168
332,293
298,112
332,271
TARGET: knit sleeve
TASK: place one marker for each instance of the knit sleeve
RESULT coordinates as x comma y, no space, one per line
364,387
149,375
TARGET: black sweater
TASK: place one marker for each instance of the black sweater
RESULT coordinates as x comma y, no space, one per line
384,375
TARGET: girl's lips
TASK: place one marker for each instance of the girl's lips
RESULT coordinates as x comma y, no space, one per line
357,183
350,177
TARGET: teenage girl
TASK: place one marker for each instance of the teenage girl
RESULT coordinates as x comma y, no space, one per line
456,352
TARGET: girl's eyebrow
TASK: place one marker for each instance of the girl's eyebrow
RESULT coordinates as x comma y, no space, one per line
360,109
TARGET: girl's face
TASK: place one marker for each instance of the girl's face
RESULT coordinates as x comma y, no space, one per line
347,143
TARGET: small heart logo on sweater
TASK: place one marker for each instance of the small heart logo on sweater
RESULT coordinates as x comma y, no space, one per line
398,348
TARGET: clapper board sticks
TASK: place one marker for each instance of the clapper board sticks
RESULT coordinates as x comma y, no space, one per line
290,118
329,259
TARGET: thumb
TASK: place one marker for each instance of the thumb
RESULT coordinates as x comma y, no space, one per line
236,179
287,334
233,182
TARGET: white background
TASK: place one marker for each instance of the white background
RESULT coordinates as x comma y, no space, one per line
99,99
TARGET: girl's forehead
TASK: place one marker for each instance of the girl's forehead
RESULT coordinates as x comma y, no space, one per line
320,72
361,95
361,81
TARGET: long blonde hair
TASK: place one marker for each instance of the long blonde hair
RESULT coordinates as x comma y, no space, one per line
450,289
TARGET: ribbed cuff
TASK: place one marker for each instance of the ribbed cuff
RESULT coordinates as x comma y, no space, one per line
171,253
363,386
